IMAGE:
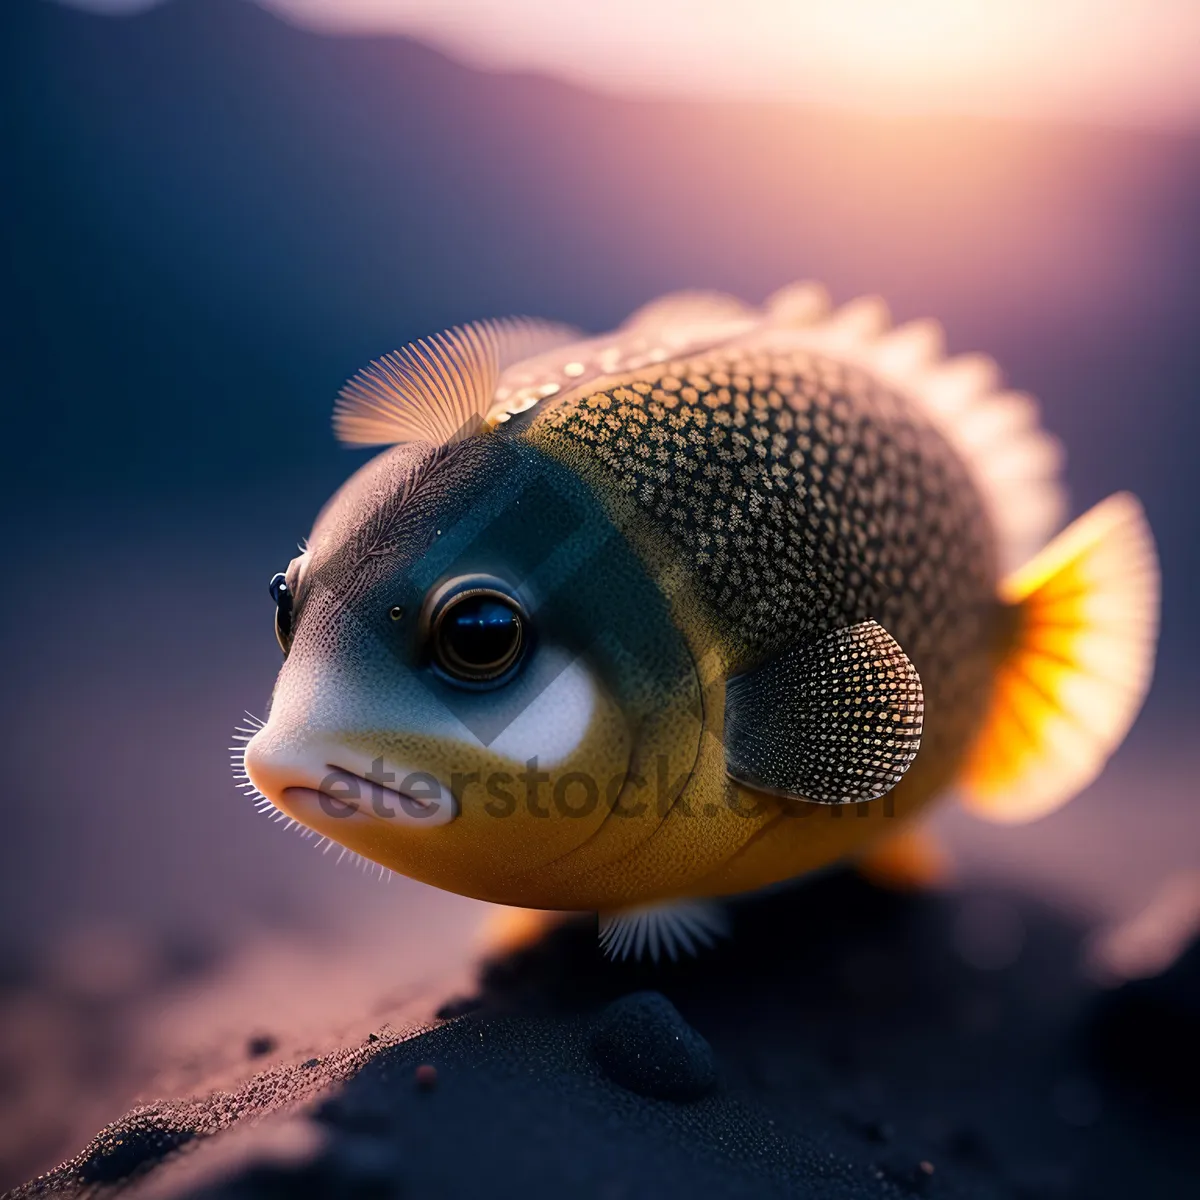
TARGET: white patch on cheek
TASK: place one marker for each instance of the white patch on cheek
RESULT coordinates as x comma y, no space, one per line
554,725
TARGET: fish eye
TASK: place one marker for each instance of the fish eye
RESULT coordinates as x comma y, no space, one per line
282,595
478,631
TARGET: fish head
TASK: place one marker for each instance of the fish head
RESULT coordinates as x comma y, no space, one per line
475,662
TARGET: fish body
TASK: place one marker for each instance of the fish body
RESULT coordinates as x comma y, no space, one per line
692,608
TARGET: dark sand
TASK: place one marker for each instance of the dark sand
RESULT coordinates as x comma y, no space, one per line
847,1042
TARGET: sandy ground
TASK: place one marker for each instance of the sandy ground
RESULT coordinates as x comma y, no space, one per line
846,1042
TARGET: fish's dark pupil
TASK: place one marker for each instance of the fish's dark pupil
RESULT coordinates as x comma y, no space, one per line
480,636
282,595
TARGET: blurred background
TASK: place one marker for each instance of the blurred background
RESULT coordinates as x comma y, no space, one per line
215,211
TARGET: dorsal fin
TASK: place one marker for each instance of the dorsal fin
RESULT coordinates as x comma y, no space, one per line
445,387
681,319
798,304
1015,463
440,388
674,325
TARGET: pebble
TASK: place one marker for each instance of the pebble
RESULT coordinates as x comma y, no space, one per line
259,1045
642,1043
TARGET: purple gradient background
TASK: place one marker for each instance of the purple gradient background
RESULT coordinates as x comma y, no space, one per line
215,218
209,220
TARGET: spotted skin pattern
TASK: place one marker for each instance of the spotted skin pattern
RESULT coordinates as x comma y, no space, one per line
834,721
803,496
759,554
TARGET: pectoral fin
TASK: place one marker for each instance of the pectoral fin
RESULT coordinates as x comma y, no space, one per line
836,721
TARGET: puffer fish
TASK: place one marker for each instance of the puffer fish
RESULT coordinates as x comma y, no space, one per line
633,623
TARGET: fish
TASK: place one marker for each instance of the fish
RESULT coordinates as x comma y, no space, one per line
634,623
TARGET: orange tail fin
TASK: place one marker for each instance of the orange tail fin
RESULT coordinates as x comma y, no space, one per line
1077,670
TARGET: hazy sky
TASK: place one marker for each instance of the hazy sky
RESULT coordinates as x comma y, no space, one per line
1105,61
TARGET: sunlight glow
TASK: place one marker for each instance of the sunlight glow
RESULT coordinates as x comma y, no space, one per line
1126,61
1099,61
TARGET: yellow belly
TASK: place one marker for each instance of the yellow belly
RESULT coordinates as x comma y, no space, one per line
719,838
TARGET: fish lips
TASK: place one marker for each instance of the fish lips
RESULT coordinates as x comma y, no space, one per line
413,798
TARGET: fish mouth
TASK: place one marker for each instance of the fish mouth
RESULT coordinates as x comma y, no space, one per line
328,786
343,794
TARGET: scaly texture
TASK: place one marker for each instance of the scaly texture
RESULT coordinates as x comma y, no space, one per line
805,496
835,722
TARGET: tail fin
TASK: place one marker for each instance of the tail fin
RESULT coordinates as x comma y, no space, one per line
1077,669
